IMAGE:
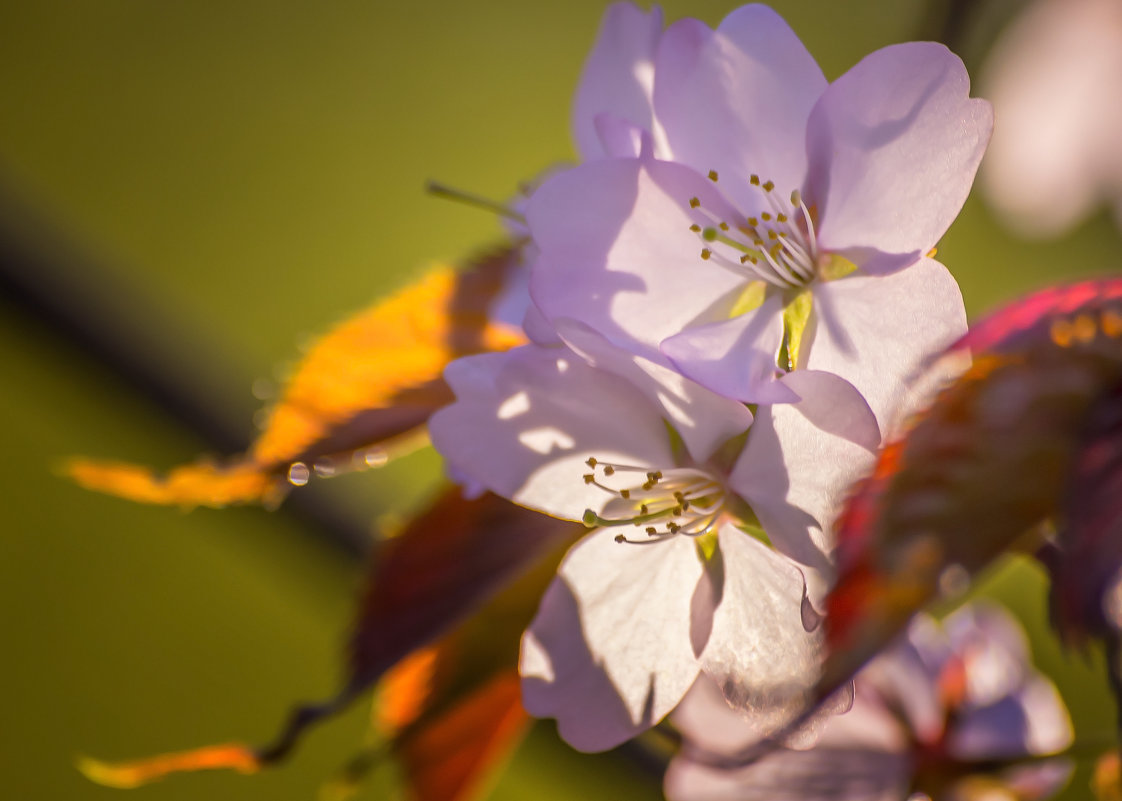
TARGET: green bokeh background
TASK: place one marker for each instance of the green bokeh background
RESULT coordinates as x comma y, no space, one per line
229,179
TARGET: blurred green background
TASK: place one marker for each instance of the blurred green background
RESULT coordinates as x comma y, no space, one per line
214,183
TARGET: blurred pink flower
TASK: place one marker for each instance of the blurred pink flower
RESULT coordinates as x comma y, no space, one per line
1055,79
930,715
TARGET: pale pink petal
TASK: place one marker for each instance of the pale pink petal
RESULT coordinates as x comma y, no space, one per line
703,419
609,652
622,139
800,461
618,75
845,773
736,357
525,421
757,650
893,146
877,331
617,252
902,674
1033,720
737,100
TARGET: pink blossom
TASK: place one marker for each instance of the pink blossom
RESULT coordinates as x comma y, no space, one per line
749,175
668,582
940,701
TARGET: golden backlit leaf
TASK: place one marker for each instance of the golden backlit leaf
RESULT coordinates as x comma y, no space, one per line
198,484
127,775
358,397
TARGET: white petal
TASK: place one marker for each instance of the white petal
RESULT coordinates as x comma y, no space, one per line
525,421
894,145
758,651
737,100
618,76
877,331
800,461
609,652
617,252
736,357
703,418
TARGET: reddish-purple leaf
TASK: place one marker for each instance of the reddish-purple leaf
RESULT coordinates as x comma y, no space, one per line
977,472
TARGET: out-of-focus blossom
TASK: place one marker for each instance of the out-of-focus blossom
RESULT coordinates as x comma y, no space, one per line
854,181
947,713
1055,79
666,584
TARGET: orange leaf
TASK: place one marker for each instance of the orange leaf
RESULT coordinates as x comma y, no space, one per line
357,398
446,759
126,775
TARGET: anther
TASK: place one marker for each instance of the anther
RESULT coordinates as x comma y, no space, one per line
713,176
753,222
695,228
591,462
724,226
781,218
769,186
694,203
765,216
609,470
589,478
706,253
625,494
754,180
621,538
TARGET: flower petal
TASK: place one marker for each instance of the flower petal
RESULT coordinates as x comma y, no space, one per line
525,421
609,652
736,357
702,418
763,659
893,146
737,99
859,756
877,331
618,75
617,253
798,464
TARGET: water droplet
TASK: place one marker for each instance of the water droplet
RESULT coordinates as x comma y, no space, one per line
375,457
298,474
811,618
954,580
325,468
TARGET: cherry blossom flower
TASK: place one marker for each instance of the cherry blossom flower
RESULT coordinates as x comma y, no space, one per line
1054,77
668,583
750,184
931,715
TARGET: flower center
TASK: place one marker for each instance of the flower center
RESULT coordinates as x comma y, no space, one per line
779,246
681,500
